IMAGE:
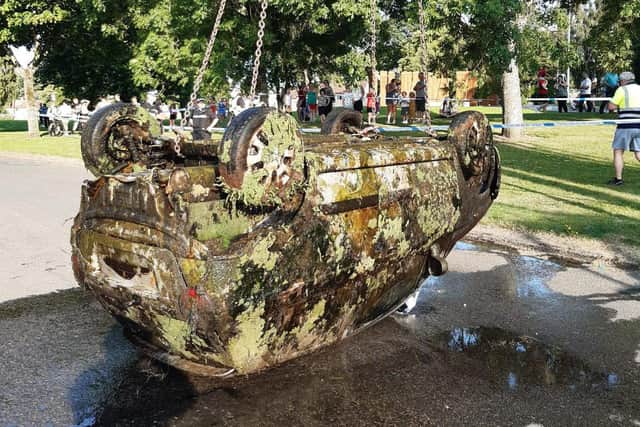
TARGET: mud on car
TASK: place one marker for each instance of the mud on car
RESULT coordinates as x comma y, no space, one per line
227,258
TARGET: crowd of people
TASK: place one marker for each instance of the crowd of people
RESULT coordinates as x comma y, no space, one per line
587,89
412,105
315,101
70,115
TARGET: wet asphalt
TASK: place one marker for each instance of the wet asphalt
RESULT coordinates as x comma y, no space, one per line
501,339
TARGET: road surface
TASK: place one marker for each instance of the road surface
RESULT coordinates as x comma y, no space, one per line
502,339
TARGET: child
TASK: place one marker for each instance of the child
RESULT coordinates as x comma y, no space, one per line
323,104
173,115
371,107
392,101
412,107
404,107
312,102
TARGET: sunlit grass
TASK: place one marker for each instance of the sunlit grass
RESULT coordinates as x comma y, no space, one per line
13,138
555,180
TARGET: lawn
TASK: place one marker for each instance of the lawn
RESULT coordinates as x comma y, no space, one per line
13,137
553,179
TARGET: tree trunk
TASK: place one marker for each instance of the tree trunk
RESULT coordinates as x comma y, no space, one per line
30,99
512,101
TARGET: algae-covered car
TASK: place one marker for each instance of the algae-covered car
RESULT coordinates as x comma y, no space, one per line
227,258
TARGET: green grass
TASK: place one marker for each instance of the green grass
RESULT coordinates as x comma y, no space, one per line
553,180
556,181
13,138
13,125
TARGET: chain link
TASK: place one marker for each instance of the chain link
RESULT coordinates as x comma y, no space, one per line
424,64
258,53
373,15
423,43
203,67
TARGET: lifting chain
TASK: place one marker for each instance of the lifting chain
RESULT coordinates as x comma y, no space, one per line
374,13
203,67
424,65
258,53
423,43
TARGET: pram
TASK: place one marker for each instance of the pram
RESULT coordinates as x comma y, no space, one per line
449,107
56,127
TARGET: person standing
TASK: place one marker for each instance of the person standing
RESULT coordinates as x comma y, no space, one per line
151,103
412,107
562,92
75,106
610,82
404,107
302,103
371,107
585,92
202,121
44,119
173,115
627,137
391,100
222,109
323,104
330,94
65,113
312,103
542,89
356,93
421,97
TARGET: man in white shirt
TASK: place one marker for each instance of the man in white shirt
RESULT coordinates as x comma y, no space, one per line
65,114
585,92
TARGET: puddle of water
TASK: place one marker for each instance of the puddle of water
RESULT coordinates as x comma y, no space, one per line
532,275
464,246
517,361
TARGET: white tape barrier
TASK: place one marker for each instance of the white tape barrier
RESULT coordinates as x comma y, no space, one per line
494,126
565,124
394,129
568,99
74,118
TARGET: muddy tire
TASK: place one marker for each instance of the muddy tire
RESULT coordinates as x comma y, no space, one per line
341,121
262,159
496,180
470,133
109,134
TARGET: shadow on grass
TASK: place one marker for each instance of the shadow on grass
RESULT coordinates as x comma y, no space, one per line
13,125
553,116
578,202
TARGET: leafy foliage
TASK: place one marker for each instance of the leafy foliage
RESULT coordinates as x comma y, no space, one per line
94,47
9,85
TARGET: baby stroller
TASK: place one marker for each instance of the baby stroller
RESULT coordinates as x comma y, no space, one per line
56,128
449,107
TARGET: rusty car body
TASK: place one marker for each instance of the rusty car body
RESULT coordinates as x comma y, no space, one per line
225,259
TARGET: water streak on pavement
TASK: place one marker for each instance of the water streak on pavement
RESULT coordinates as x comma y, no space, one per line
488,343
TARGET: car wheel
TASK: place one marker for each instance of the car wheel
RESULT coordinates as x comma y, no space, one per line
470,133
109,139
342,121
262,159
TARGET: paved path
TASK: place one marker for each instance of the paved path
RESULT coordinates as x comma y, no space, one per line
39,199
502,339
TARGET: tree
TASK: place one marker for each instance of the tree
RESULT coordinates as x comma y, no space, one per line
498,54
9,85
21,23
615,40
